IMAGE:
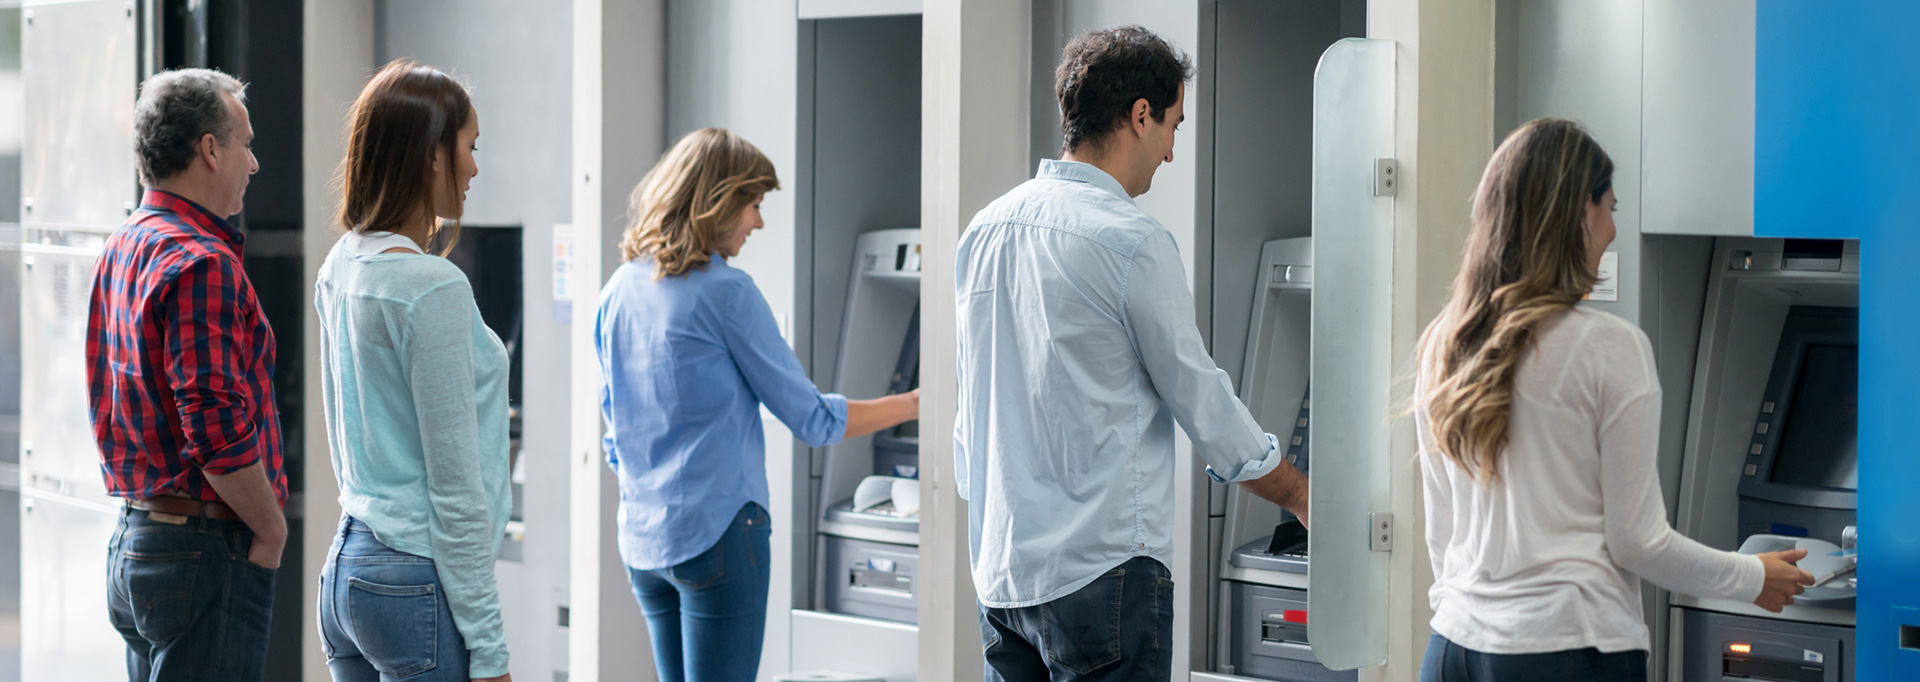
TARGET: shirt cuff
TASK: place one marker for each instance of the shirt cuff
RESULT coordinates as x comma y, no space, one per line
962,481
1756,576
239,454
1254,468
487,662
836,406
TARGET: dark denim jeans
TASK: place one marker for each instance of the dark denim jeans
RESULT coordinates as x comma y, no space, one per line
383,616
1119,627
708,615
1449,662
186,599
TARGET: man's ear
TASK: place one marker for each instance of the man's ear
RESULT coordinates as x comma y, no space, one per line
209,150
1142,117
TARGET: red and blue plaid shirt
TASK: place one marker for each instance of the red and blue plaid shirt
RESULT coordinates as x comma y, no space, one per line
179,356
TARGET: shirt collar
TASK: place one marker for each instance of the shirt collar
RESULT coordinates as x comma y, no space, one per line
194,214
1075,171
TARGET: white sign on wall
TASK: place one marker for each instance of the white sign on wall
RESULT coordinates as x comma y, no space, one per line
563,274
1608,288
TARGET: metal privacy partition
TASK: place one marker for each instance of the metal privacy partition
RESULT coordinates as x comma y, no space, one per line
1354,177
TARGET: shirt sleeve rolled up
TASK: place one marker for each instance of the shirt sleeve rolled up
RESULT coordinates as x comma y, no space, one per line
1159,316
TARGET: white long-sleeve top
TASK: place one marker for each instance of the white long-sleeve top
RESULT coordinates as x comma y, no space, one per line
1550,557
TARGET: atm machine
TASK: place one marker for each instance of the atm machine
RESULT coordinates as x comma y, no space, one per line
869,539
866,544
1262,586
1771,460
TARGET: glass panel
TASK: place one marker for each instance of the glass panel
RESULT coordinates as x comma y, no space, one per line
77,167
1352,362
79,86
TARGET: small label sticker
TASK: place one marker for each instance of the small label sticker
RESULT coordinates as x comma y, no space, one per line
1608,288
1815,657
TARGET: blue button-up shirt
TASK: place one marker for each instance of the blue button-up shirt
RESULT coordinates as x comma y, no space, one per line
1078,350
685,364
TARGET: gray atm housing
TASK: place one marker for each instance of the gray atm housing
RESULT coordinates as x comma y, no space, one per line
1768,300
869,561
1262,590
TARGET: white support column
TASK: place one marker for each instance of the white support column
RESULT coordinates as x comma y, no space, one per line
974,109
336,53
1443,137
619,82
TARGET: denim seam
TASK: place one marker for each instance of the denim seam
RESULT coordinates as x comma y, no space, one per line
225,610
383,559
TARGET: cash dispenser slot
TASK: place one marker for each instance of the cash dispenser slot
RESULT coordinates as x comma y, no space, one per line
868,576
1284,627
1270,629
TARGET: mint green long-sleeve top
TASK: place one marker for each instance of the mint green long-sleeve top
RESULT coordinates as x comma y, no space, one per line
415,388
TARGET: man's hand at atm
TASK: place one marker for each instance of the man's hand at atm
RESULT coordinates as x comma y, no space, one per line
1284,486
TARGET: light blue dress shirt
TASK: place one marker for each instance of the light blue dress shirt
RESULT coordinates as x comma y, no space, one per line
1078,350
415,389
685,364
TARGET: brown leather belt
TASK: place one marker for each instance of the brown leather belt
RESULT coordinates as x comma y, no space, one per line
180,506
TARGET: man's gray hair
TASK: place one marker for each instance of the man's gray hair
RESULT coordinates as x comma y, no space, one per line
175,110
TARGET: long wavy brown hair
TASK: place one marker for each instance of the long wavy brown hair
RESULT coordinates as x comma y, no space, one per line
406,113
1526,261
690,203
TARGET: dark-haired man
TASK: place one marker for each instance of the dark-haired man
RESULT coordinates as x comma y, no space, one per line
180,374
1077,352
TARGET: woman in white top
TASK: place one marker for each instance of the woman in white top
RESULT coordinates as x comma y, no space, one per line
1539,426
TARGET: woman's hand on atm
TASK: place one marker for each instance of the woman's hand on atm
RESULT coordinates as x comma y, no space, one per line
1784,579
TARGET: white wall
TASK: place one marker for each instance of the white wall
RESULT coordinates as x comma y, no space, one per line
619,83
337,51
523,97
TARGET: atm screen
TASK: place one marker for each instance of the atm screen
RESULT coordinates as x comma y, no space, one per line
1819,446
910,429
906,372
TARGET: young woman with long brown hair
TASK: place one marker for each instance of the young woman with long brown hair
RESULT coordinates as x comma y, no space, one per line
415,387
1538,423
689,352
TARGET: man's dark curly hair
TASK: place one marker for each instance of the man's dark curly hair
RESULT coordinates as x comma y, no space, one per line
1102,73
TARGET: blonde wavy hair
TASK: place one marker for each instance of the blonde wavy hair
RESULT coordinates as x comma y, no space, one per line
1525,262
689,204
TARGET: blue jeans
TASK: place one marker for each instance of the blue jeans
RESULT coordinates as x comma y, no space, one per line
1449,662
187,600
708,615
382,614
1119,627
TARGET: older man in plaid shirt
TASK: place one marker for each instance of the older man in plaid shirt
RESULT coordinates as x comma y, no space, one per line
179,366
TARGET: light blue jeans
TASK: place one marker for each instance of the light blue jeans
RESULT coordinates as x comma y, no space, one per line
383,614
708,615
